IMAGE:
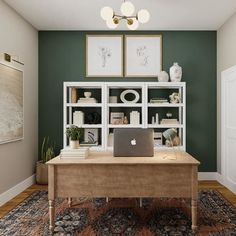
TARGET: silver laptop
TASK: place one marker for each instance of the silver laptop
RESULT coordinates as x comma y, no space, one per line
132,142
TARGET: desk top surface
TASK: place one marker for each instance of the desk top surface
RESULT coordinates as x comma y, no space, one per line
160,158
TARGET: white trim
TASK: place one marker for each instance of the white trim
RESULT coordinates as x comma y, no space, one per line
12,192
224,180
208,176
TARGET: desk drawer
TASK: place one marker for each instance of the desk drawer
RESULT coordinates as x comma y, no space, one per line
123,180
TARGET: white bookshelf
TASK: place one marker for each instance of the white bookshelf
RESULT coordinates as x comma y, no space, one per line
146,91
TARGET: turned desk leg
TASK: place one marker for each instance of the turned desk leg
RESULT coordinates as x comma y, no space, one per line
51,197
51,215
140,202
194,198
194,214
69,201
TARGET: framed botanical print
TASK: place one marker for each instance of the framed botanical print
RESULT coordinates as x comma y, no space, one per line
143,55
104,56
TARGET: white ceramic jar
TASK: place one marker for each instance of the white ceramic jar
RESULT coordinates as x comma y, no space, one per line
175,73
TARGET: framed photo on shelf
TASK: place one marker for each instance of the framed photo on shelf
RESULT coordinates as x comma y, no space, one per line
143,55
117,118
91,135
104,55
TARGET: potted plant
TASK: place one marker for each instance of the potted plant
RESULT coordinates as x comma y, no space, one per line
47,153
74,133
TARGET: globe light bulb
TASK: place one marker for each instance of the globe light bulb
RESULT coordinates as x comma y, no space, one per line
134,26
111,24
127,8
143,16
106,13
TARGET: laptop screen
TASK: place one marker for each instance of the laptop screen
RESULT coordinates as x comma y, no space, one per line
133,142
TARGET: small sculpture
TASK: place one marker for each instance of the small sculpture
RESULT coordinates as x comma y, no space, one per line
168,115
163,76
125,121
87,94
93,118
175,73
174,98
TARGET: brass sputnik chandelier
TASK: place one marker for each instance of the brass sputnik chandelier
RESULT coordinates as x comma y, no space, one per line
127,9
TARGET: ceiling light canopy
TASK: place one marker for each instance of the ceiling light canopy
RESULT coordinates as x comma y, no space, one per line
127,9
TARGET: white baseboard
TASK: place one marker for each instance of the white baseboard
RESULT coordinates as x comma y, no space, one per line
12,192
208,176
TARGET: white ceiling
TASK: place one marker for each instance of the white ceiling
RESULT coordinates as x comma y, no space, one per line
85,14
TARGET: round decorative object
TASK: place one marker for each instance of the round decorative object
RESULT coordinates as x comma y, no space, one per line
163,76
175,73
129,91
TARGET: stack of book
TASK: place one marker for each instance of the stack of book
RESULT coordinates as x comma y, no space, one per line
159,100
169,122
81,152
87,100
88,144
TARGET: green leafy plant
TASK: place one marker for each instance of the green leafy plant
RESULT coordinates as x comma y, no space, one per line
47,150
73,132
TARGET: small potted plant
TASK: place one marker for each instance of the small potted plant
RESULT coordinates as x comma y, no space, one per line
47,153
74,133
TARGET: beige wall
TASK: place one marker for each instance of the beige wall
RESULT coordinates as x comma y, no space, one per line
17,37
226,58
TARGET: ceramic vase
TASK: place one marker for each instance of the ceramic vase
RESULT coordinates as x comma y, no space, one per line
74,144
163,76
87,94
175,73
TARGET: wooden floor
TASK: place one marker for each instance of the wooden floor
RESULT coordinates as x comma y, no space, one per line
202,185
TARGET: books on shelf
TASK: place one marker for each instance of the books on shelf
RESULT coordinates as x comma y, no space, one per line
87,100
81,152
159,100
169,122
88,144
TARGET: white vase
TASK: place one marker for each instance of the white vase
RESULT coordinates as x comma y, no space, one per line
74,144
163,76
176,73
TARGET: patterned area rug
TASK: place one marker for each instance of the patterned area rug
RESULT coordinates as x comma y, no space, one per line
121,217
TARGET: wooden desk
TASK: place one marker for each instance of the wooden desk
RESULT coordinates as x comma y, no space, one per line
102,175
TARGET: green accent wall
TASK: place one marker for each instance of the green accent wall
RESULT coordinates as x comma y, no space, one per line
62,58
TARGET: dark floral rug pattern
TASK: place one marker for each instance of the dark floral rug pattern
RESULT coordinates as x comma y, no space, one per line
121,217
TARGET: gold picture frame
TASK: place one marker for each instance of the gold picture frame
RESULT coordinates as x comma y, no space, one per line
143,55
108,50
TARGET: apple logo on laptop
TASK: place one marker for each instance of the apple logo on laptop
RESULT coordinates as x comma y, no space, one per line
133,142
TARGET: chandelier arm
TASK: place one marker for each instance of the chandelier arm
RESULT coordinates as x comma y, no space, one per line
124,17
